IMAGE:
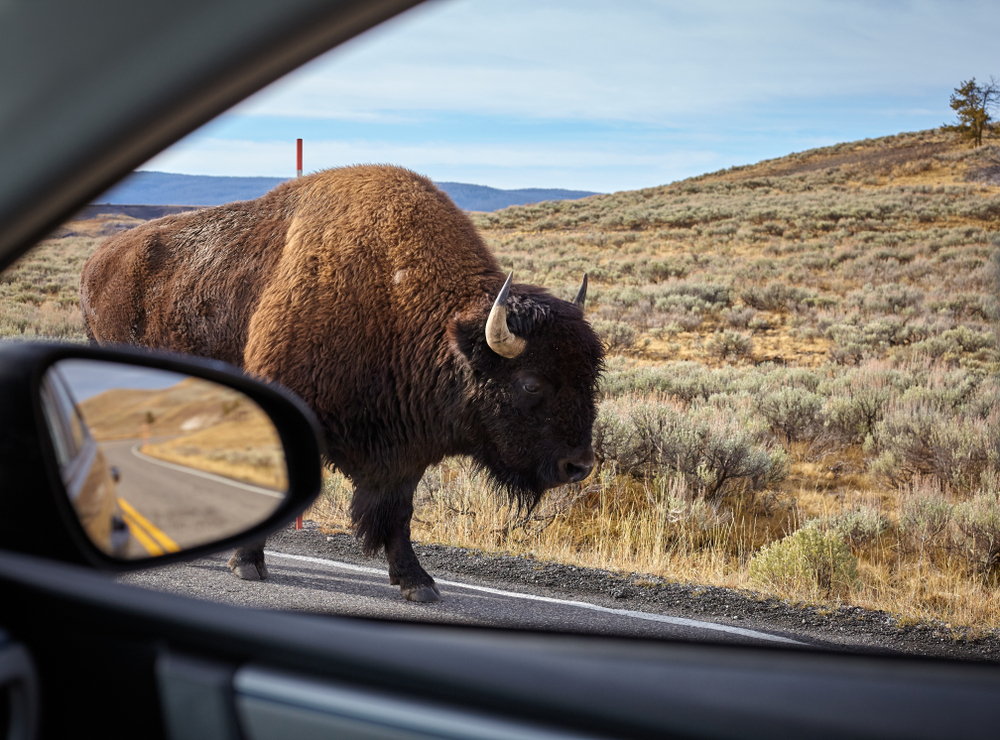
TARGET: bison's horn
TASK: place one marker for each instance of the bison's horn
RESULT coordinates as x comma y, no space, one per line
498,336
581,296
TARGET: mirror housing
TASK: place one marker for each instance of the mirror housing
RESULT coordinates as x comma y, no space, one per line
37,517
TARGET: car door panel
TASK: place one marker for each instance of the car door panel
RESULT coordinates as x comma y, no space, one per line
145,648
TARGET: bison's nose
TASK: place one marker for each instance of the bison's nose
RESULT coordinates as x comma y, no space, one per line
577,466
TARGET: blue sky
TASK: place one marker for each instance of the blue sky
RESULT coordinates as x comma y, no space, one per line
88,378
605,96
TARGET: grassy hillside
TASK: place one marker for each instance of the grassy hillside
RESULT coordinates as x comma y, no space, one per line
197,424
884,247
801,395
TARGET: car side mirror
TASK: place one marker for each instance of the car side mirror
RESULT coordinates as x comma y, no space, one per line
148,457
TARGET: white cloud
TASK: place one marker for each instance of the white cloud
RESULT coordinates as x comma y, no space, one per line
640,61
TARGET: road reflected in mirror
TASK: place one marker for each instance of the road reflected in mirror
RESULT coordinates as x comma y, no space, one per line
155,462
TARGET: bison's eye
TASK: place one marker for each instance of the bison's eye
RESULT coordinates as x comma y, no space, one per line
530,384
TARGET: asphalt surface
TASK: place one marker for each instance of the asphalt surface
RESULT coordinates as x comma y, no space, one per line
312,571
189,506
325,586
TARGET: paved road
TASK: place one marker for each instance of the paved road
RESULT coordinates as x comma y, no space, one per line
326,573
188,506
318,584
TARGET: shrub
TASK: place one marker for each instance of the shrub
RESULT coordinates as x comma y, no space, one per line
985,397
617,438
739,318
660,270
778,376
916,438
726,344
978,537
813,560
970,340
710,294
721,451
950,390
681,303
858,339
924,515
686,381
776,296
793,413
732,455
687,321
957,345
861,526
850,415
616,335
856,400
768,377
889,298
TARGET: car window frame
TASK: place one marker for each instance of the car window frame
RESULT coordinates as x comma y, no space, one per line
136,628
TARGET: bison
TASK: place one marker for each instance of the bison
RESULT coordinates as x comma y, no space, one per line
369,293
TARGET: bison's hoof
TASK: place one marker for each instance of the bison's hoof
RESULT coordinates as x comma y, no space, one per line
423,594
249,571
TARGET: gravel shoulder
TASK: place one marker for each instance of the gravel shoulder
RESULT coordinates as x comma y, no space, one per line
848,628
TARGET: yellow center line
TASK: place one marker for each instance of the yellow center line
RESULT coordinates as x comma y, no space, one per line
148,534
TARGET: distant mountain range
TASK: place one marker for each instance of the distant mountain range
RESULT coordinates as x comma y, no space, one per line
164,188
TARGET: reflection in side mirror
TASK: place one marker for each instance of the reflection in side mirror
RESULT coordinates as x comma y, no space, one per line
154,461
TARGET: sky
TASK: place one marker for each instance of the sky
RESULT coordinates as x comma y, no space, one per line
605,96
88,378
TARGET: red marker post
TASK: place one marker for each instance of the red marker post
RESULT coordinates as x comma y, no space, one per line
298,173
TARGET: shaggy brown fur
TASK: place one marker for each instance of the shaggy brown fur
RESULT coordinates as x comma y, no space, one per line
366,291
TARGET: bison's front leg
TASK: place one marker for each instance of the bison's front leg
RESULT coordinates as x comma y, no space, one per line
248,562
382,520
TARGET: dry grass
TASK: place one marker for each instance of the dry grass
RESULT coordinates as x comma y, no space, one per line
192,404
39,294
614,522
245,447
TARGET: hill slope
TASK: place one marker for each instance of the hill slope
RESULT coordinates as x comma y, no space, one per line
809,247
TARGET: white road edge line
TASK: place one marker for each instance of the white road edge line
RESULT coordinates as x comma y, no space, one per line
202,474
679,621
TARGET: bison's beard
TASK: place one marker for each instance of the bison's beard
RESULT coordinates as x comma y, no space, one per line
522,490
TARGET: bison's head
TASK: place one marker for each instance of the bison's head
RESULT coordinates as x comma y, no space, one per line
533,364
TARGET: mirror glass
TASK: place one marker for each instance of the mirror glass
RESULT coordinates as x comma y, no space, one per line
155,461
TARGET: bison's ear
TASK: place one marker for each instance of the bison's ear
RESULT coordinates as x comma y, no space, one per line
467,339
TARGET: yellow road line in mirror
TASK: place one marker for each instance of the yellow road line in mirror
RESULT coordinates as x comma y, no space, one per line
148,534
142,538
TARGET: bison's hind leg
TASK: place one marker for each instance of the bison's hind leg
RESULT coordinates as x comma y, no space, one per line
382,521
248,563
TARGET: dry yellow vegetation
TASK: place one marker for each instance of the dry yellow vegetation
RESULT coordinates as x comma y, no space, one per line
246,449
191,404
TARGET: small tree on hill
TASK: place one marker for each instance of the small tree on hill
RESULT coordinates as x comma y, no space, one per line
973,103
